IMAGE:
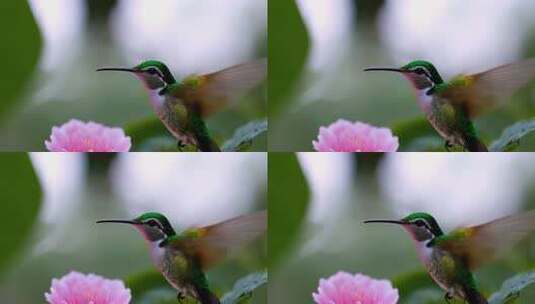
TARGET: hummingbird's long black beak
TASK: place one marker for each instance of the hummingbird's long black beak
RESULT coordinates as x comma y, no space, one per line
117,70
385,221
118,221
385,69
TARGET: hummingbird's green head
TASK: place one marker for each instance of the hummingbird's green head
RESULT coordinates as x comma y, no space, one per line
155,226
154,74
152,225
422,74
422,226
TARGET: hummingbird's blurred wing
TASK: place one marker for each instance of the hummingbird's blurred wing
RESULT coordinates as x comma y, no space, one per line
215,242
480,92
211,92
485,242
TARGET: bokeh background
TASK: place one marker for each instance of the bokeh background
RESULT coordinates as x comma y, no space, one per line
51,201
52,49
318,50
316,216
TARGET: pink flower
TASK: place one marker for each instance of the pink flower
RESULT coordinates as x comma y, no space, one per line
78,288
345,288
345,136
78,136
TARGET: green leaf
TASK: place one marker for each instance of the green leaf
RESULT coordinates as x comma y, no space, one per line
510,139
243,288
21,46
511,288
21,201
288,202
243,137
288,48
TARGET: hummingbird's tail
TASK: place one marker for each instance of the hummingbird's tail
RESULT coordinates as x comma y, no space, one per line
473,144
474,297
207,297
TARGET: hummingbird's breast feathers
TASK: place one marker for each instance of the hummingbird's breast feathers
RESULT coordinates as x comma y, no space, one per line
445,268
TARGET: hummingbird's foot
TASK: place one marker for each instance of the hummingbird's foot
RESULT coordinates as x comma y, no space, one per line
448,297
180,297
448,145
180,145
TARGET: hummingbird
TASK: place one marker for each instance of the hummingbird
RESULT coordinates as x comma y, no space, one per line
451,106
450,258
182,258
183,105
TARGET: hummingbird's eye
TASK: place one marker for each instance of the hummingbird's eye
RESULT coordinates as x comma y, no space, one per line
419,223
153,223
152,71
419,71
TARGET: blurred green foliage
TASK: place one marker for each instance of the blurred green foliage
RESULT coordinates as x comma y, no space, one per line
142,130
407,283
288,49
21,47
20,200
287,213
411,132
143,282
99,11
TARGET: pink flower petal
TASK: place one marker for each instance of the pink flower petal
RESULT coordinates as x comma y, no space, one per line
345,136
345,288
78,136
76,287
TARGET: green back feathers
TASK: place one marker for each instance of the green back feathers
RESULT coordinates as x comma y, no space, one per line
193,81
